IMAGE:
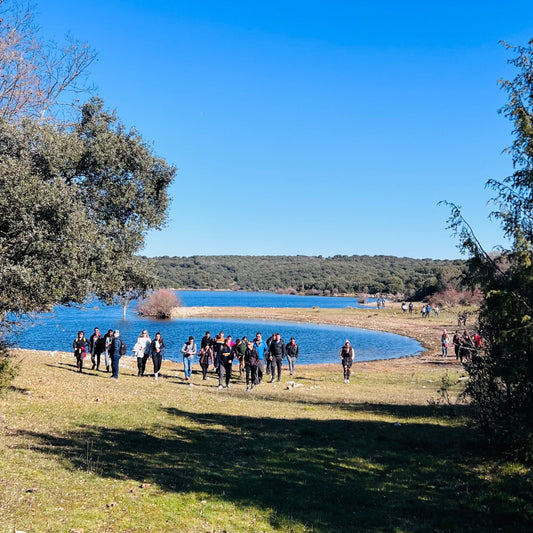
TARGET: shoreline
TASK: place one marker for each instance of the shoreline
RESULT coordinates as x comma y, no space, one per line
391,320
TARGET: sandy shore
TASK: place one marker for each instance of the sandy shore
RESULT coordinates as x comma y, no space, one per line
392,320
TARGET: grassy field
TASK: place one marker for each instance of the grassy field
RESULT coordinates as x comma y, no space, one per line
388,452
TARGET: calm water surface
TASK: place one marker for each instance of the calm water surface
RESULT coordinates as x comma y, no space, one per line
318,344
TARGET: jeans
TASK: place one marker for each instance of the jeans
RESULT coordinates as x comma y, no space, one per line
114,364
187,366
291,361
251,372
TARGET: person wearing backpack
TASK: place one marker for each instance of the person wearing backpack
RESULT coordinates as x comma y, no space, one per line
117,350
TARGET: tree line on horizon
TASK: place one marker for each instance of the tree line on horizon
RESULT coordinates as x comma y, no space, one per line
414,279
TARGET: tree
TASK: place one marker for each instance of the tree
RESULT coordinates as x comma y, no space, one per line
35,76
501,381
76,206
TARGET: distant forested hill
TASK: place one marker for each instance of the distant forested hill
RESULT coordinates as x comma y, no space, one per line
340,274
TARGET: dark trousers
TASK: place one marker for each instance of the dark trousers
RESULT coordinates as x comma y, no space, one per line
347,367
224,369
251,372
114,365
157,359
276,363
95,360
204,367
143,363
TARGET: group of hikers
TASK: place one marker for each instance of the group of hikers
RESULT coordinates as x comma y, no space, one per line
255,357
465,347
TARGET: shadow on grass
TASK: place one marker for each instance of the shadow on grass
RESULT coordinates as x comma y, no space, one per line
330,475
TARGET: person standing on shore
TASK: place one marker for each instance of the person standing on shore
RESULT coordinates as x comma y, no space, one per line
157,351
189,351
347,355
291,349
240,348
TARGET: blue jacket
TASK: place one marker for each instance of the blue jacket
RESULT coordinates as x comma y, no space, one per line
261,349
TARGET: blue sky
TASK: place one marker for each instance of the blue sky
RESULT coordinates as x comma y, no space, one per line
315,127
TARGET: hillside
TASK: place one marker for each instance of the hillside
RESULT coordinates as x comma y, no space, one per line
341,274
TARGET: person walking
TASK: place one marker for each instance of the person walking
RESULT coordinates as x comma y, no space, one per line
445,342
347,355
116,352
157,351
189,351
276,353
225,360
261,348
108,340
251,360
206,356
141,349
456,340
241,345
291,350
80,346
95,346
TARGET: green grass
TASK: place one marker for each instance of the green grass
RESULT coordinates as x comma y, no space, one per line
385,453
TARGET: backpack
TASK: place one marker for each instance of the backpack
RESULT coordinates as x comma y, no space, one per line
123,348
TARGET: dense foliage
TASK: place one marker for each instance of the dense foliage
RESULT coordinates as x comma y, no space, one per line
501,382
340,274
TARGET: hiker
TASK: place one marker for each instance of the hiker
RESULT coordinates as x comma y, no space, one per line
261,348
445,341
347,355
189,351
291,350
218,343
251,360
116,351
141,349
108,339
225,360
96,347
206,356
80,346
276,353
456,343
240,348
207,340
157,351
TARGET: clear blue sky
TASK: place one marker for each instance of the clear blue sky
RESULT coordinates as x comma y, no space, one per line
316,127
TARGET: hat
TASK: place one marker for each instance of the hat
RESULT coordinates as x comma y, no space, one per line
116,333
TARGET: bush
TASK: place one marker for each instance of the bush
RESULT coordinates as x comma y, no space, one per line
159,304
8,370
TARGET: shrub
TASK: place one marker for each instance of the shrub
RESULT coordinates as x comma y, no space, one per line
159,304
8,369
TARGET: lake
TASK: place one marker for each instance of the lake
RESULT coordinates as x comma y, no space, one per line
318,343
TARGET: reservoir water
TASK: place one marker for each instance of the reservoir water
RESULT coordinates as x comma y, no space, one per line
318,343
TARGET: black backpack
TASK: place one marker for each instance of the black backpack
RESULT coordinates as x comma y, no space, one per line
123,348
